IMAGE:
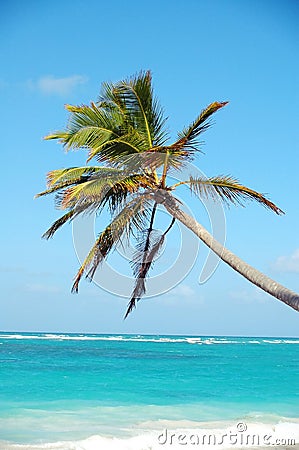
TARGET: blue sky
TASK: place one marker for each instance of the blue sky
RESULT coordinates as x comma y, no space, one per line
199,51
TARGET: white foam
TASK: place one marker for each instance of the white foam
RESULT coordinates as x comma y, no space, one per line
277,434
153,339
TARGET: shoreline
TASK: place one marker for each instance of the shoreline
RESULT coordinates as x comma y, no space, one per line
224,435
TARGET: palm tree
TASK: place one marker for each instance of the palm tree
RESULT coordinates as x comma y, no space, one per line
124,131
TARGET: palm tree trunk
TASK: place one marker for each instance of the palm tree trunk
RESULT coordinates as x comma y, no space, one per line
250,273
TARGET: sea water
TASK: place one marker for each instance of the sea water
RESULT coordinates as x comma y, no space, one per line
88,391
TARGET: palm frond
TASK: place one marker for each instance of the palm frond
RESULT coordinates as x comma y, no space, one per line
117,196
149,161
91,191
58,223
149,245
70,215
188,138
61,178
229,190
73,173
96,255
133,142
103,131
110,99
143,261
142,109
132,217
60,135
87,126
98,191
99,124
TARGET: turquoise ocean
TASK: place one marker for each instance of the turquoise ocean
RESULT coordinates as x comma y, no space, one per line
134,392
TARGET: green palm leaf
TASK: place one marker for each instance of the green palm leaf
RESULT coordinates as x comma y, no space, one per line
114,149
110,99
61,178
104,132
142,109
229,190
188,138
88,126
74,173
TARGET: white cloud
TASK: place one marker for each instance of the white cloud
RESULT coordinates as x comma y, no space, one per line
61,86
289,263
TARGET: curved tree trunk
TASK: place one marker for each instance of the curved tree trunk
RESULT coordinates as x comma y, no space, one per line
250,273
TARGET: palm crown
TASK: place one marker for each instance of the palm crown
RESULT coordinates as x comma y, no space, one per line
124,131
